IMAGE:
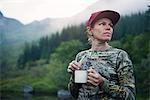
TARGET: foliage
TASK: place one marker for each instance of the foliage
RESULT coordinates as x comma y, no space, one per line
134,24
139,50
46,77
60,59
46,45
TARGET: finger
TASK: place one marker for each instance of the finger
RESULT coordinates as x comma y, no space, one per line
75,62
91,70
93,83
93,73
93,79
70,68
74,65
95,76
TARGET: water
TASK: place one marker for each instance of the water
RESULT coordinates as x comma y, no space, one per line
26,96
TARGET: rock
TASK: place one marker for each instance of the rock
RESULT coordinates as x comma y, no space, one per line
63,94
27,89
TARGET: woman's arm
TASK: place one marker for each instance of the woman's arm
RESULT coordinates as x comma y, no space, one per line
125,90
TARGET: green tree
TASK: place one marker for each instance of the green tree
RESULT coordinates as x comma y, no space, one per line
139,51
24,57
60,59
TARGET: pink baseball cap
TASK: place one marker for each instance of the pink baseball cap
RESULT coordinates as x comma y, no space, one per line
112,15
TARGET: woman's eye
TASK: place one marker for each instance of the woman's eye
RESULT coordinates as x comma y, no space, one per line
111,25
101,23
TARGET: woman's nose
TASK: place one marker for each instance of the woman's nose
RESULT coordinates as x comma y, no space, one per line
108,27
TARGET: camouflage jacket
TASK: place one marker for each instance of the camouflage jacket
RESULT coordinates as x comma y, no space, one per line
115,66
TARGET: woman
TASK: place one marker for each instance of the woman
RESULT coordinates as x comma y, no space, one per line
110,71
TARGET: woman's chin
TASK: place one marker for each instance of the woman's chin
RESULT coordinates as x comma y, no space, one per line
107,39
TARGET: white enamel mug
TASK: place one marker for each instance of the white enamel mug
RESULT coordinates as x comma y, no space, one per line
80,76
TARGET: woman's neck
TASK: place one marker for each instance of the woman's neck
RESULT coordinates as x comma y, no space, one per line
99,46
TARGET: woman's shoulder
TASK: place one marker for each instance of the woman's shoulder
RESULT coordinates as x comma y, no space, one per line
122,54
81,53
119,50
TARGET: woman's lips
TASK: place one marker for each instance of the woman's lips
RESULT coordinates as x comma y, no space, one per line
107,33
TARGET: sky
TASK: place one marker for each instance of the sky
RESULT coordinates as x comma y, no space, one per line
27,11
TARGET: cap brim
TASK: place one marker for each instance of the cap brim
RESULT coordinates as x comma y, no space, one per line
112,15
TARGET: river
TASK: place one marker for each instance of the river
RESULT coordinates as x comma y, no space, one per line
26,96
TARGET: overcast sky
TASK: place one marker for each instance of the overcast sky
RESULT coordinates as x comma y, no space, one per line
28,10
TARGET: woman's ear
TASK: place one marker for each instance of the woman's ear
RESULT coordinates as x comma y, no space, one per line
89,31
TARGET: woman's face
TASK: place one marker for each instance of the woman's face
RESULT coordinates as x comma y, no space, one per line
102,30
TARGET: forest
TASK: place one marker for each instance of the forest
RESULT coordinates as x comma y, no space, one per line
42,64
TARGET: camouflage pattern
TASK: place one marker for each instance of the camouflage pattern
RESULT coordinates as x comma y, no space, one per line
115,66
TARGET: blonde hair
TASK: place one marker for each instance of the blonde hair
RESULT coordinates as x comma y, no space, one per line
89,34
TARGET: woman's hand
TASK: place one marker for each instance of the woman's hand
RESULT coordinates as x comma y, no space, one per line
72,66
94,77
